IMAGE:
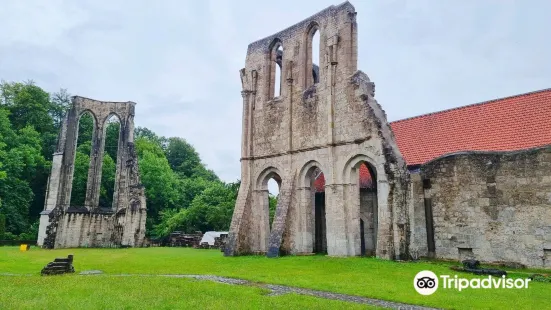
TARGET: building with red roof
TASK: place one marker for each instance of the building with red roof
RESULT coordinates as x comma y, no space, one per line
481,180
507,124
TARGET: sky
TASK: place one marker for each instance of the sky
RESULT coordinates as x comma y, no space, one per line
179,60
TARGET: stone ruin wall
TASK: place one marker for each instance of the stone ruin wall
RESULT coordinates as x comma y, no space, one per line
333,125
491,206
63,225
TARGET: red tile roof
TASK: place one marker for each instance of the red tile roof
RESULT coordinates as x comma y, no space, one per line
506,124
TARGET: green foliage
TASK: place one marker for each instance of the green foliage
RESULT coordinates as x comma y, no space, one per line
272,203
109,166
185,161
85,129
21,161
142,132
80,177
112,137
107,188
212,209
161,184
29,125
541,278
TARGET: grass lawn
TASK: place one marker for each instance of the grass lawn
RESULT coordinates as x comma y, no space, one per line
367,277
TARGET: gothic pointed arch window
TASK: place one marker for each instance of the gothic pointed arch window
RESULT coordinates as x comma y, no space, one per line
313,53
275,67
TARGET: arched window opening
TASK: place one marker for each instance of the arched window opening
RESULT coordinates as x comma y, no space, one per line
273,194
278,75
276,65
86,128
316,56
317,189
109,162
313,56
367,184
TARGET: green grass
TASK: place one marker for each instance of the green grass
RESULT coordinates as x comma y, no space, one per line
367,277
109,292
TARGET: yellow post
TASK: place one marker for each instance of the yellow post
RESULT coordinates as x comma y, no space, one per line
23,247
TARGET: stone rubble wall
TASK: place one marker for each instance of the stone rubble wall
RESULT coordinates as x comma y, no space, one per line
492,206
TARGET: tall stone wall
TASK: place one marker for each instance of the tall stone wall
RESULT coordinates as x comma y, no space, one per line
492,206
123,224
333,124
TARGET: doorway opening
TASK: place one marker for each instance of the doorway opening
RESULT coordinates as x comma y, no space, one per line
367,184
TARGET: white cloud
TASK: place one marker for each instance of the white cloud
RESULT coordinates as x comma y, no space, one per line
179,60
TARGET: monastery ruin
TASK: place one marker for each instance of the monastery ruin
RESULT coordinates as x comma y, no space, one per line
63,225
353,184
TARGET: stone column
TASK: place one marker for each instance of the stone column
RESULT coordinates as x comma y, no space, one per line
245,133
335,217
303,215
126,128
352,211
68,161
385,237
260,221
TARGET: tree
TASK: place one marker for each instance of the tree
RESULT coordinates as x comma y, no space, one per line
107,189
85,129
161,184
185,160
28,106
61,102
112,132
80,176
210,210
272,203
142,132
21,163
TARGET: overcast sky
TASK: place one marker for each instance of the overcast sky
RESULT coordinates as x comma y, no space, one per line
180,60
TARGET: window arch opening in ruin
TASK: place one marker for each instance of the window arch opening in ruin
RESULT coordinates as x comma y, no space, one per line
313,56
109,162
317,194
85,135
273,195
278,75
316,56
275,66
367,185
265,208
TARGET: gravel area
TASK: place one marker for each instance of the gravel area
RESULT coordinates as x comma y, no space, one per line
276,290
91,272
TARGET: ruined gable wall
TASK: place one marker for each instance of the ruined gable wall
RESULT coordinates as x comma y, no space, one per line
497,204
334,125
304,123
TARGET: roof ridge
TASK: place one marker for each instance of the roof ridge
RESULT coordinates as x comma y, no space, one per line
471,105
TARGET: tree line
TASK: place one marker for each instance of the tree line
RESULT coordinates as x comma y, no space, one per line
181,192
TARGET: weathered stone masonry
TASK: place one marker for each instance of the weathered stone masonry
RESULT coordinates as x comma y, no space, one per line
492,206
329,121
63,225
